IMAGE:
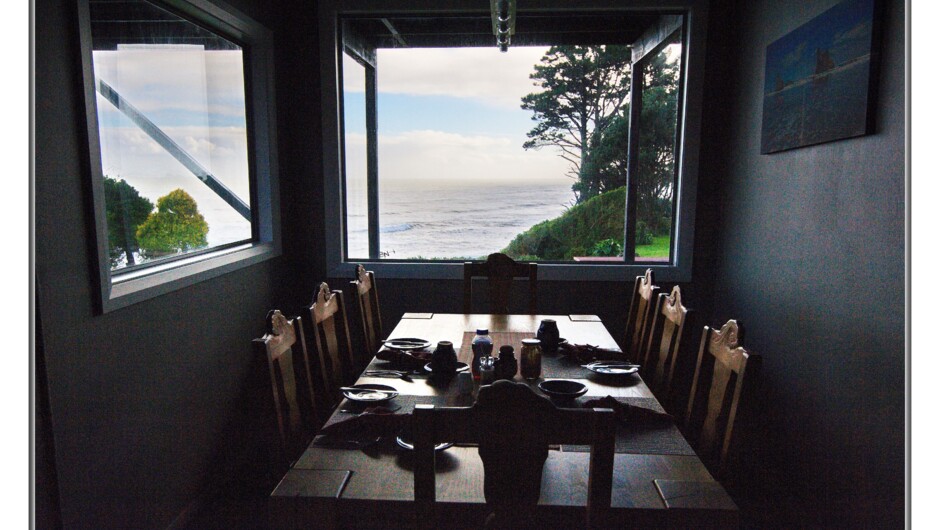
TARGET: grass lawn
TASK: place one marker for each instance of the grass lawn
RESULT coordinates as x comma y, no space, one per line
659,248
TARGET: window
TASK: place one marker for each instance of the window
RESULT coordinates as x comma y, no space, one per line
178,116
449,150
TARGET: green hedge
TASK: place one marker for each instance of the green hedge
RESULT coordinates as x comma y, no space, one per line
576,232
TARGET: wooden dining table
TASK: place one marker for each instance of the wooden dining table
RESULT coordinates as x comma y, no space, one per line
658,479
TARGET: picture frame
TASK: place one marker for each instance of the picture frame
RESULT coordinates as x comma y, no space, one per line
820,79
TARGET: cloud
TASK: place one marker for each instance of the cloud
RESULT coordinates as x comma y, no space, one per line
440,156
860,31
795,56
179,77
485,74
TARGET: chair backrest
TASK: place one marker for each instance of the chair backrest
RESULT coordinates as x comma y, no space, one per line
331,335
513,427
367,296
720,372
499,270
665,338
291,382
638,315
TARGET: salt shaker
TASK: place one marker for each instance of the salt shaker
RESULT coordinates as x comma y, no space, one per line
487,370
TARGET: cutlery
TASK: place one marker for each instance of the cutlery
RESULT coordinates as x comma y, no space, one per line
387,373
610,365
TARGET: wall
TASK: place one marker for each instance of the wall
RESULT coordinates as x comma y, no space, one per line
148,403
812,262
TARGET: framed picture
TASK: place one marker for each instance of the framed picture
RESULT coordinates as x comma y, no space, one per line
819,79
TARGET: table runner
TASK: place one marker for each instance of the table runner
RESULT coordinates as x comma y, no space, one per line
646,438
554,364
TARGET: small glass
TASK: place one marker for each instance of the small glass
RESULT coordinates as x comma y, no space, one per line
530,359
487,370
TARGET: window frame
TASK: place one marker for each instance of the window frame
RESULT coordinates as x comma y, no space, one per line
679,269
122,288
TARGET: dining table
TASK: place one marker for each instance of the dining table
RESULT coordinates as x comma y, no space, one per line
658,478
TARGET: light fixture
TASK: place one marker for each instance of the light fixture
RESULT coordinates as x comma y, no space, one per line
503,15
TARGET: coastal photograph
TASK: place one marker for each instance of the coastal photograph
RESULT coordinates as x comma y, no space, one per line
817,78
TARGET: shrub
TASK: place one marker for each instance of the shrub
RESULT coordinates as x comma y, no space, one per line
644,236
607,247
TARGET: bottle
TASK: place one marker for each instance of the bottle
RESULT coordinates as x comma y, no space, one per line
482,346
506,365
530,362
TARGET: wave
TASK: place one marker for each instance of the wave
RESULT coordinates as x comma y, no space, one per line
396,228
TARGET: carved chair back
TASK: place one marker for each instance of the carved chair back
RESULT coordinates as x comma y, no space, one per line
331,335
284,349
638,316
665,338
715,398
500,270
367,298
513,427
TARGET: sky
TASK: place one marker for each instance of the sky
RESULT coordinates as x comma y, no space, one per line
449,114
844,30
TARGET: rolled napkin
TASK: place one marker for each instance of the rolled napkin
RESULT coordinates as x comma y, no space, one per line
626,413
373,422
585,353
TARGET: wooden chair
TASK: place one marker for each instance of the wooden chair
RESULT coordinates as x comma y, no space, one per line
665,338
513,426
638,316
499,270
331,335
720,372
367,297
294,403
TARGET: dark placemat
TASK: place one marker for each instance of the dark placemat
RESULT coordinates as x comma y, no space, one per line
405,405
644,438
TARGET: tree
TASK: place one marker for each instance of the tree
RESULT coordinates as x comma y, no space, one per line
584,88
125,210
176,226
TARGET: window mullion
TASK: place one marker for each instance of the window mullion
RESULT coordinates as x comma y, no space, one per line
372,161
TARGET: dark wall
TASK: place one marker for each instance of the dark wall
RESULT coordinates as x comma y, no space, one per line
148,403
812,263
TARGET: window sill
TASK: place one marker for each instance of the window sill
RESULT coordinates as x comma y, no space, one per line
148,283
572,271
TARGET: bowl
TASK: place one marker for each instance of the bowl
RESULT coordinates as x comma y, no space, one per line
562,389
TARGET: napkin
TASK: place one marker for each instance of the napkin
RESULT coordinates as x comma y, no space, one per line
628,414
412,360
585,353
373,422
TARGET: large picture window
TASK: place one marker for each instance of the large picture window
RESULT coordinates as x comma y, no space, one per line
177,171
572,148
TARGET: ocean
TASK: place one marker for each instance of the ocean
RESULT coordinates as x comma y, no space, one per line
431,220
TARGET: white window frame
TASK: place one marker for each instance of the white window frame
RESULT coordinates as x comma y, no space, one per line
119,288
331,50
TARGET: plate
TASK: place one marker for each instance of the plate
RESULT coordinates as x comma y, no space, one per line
612,368
406,444
371,397
406,344
461,367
